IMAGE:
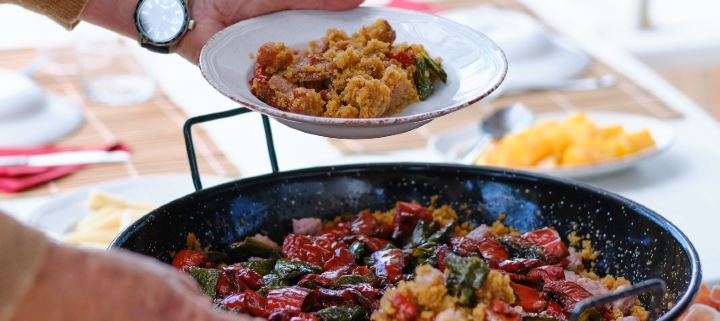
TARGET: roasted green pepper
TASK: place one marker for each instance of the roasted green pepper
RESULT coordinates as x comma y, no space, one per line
274,281
241,251
263,267
466,274
434,67
443,235
207,278
420,235
523,251
423,82
218,257
591,315
358,249
342,313
424,66
287,269
348,279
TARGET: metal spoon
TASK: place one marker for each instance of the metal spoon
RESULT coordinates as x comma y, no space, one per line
502,121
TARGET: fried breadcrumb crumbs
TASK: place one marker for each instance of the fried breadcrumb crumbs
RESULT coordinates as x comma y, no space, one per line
193,243
429,294
588,253
497,286
444,214
574,239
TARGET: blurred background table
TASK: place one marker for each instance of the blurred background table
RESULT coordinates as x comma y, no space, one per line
682,184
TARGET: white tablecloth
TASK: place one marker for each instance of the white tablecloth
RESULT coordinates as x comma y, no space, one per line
683,184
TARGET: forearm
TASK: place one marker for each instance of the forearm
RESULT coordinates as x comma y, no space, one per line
22,251
116,15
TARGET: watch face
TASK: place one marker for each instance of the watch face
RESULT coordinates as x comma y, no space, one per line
161,20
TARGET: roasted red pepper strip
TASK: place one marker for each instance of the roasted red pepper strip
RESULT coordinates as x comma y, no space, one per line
328,278
441,252
226,287
555,310
404,309
255,304
342,258
406,217
404,57
292,299
303,248
528,298
549,239
187,258
335,295
524,279
389,264
329,242
259,72
492,250
366,224
239,275
364,288
373,243
548,273
501,311
304,317
567,293
520,265
341,229
235,301
361,270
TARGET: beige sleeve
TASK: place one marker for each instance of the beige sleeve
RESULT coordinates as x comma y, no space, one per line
22,251
64,12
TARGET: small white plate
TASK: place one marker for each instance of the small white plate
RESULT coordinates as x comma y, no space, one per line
456,142
59,215
475,65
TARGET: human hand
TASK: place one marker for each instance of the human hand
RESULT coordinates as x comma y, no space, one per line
79,285
212,16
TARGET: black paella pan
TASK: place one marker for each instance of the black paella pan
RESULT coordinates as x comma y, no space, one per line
633,241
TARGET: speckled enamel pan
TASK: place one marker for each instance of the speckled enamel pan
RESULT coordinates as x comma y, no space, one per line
633,241
475,64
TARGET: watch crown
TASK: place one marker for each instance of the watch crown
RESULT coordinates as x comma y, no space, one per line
191,24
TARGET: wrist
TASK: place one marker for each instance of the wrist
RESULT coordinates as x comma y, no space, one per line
115,15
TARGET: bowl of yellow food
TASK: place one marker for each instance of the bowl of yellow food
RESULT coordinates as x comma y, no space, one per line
574,145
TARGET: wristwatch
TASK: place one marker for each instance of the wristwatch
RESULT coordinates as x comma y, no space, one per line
161,24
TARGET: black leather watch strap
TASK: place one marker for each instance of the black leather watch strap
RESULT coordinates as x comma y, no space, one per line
158,49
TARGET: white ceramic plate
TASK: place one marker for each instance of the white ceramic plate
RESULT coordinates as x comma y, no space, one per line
475,65
457,142
59,215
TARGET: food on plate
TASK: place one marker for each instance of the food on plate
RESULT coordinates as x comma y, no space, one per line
111,214
575,141
706,305
364,75
410,263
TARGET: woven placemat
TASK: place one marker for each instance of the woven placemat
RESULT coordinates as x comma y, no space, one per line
626,97
152,129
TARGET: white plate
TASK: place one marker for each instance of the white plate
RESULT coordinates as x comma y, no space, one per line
475,65
59,215
456,142
532,53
